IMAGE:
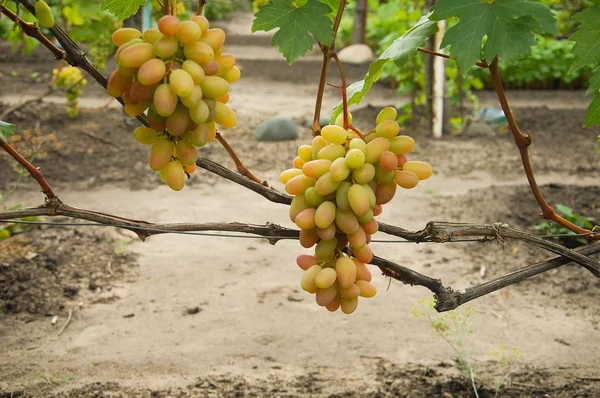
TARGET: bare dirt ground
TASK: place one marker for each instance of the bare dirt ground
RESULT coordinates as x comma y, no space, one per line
198,316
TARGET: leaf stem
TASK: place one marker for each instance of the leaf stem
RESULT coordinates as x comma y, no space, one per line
344,86
523,141
481,64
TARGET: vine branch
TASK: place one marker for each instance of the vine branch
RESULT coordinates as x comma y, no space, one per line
243,170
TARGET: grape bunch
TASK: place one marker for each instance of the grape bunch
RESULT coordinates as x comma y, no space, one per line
340,183
72,81
180,74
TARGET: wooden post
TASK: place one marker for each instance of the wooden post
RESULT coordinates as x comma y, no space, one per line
360,22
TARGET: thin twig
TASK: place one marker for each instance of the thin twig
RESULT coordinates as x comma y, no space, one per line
64,326
481,64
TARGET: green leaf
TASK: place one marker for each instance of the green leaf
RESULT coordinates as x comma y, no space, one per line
592,118
508,25
122,8
594,83
295,25
587,38
333,4
598,141
6,130
565,210
401,50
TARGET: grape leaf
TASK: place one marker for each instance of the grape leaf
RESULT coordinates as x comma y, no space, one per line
6,130
122,8
295,24
587,38
594,87
333,4
592,118
508,25
401,50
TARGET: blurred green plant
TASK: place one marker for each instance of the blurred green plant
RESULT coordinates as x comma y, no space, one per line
562,233
219,9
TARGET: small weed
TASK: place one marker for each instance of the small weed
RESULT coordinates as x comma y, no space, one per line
551,228
45,378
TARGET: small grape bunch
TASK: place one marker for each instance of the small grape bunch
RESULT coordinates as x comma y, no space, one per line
71,80
180,74
340,183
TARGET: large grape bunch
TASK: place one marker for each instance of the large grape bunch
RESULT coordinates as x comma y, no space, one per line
180,74
340,183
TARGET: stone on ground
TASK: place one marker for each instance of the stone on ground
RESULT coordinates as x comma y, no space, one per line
279,128
356,54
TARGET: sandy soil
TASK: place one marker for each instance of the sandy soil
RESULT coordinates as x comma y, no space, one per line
199,316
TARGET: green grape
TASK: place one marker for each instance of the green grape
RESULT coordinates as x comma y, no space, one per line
382,175
355,158
195,70
312,197
193,99
178,121
358,199
135,55
186,152
339,169
168,25
349,305
305,152
286,175
160,154
387,129
214,37
375,148
224,116
370,194
145,135
43,13
339,120
332,152
346,271
151,35
198,52
297,206
357,143
123,35
166,47
364,173
308,279
165,100
341,196
388,113
214,86
366,218
326,278
181,83
334,134
198,136
325,214
151,72
318,143
188,32
175,175
200,112
326,248
402,144
316,168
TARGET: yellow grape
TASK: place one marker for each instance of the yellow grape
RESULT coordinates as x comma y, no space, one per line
350,292
214,37
299,184
367,290
362,271
327,233
195,70
357,143
297,206
308,279
358,239
226,62
305,261
332,152
387,129
349,305
334,304
160,154
308,237
346,271
370,194
358,200
199,113
341,196
124,47
136,108
178,121
339,120
298,162
175,175
355,158
198,136
43,13
388,161
200,53
305,152
118,84
346,221
402,144
151,72
382,175
181,83
421,169
334,134
188,32
325,214
313,198
326,248
385,192
151,35
406,179
214,86
212,131
339,169
363,254
387,113
325,278
145,135
285,176
123,35
364,173
135,55
306,219
233,75
224,116
166,47
165,100
168,25
201,21
326,184
375,148
318,143
186,152
193,99
316,168
326,296
223,98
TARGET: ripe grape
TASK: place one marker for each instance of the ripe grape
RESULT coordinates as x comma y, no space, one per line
175,175
188,32
181,83
145,135
123,35
168,25
134,56
160,154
